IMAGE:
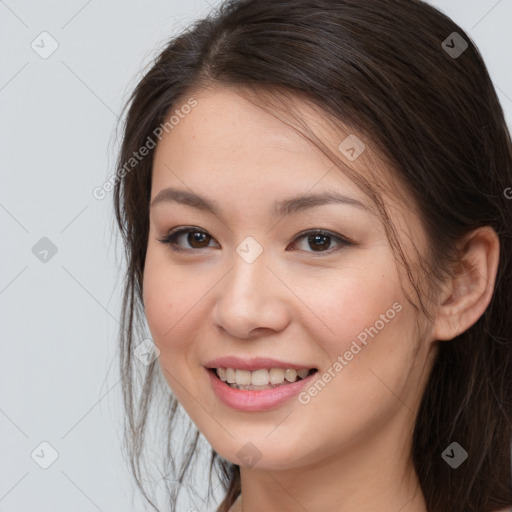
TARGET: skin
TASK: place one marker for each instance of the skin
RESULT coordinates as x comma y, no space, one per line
349,447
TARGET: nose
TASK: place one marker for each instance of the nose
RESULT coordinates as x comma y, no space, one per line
251,300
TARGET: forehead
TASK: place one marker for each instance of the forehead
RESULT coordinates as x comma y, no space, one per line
226,136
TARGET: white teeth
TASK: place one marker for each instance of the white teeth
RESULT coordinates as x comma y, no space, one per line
290,375
259,378
303,373
263,377
231,375
243,377
276,376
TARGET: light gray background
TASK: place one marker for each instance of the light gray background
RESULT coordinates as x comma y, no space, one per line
59,319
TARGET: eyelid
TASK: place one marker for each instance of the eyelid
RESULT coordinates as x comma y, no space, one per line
170,238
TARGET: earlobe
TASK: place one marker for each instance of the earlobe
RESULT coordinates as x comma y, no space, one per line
470,289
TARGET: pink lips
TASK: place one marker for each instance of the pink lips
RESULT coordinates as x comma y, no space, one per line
253,401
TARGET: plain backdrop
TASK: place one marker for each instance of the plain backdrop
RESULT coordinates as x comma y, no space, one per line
60,285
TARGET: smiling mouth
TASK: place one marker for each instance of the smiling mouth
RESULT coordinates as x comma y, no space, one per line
260,380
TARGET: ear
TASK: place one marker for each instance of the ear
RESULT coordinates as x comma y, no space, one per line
468,292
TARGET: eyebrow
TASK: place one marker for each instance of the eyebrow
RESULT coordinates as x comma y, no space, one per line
280,208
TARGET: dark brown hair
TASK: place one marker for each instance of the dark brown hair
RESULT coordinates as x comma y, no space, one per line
380,67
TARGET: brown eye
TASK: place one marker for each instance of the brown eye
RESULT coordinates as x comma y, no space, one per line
196,239
320,241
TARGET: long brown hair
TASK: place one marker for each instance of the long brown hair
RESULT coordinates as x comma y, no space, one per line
385,69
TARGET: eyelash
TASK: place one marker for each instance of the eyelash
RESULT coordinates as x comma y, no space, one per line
170,239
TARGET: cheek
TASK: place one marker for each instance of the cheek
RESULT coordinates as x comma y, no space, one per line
353,305
174,304
168,297
157,296
169,304
368,335
371,353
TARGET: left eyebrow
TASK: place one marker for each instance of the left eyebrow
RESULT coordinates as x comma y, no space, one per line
301,203
280,208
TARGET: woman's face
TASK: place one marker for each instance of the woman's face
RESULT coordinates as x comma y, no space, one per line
248,283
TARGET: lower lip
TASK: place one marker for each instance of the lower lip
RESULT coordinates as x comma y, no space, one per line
253,401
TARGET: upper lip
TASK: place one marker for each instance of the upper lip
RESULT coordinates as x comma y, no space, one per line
255,363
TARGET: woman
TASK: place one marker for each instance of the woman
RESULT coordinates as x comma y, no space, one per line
318,234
